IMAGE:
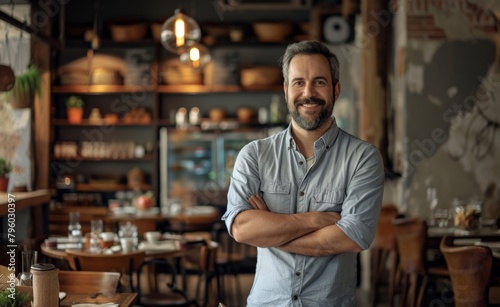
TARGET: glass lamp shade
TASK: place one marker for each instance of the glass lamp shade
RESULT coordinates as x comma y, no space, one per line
196,56
179,32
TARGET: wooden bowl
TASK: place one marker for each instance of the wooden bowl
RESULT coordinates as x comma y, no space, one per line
246,115
217,114
260,75
272,31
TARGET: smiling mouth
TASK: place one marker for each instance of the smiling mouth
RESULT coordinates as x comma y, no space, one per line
310,103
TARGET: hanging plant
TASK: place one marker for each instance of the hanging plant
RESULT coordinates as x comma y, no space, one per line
25,88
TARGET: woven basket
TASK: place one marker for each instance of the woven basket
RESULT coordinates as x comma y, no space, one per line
74,77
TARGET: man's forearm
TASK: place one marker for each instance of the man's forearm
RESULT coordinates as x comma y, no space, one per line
329,240
268,229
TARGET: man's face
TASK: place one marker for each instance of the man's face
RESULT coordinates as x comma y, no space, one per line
310,94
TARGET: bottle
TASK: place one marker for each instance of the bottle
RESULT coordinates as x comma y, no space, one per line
194,116
181,118
263,116
275,110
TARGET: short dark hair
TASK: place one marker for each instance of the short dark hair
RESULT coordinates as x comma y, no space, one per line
310,47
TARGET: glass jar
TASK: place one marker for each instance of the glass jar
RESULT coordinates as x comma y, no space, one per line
467,214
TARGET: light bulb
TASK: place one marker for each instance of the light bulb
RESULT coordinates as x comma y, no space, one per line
179,32
197,56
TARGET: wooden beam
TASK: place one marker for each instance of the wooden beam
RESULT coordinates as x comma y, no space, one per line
376,19
40,54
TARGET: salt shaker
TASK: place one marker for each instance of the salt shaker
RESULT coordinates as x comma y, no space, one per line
45,285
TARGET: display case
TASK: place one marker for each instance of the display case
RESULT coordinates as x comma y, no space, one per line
199,163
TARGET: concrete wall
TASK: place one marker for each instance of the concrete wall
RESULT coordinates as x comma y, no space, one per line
452,128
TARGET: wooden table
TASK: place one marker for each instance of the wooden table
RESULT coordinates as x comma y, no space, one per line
123,299
168,253
435,234
59,218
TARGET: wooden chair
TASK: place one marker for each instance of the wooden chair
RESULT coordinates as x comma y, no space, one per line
411,238
78,282
204,265
230,260
125,264
384,251
470,272
170,295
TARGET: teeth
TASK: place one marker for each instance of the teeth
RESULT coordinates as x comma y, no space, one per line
310,104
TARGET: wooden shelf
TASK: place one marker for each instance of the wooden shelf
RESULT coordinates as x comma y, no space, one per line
112,187
199,88
179,88
146,158
64,122
101,89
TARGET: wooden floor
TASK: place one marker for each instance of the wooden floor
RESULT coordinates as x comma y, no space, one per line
246,280
432,297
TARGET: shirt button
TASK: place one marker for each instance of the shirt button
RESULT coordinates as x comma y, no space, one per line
297,273
295,297
302,193
300,162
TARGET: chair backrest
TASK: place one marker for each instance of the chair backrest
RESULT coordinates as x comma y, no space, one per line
121,263
78,282
230,248
208,256
167,293
411,237
124,263
470,272
384,235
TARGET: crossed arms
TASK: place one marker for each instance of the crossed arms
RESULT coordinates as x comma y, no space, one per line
309,233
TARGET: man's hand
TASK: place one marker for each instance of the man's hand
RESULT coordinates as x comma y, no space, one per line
258,202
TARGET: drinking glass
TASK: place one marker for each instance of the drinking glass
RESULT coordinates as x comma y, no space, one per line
129,230
74,227
28,258
96,228
433,202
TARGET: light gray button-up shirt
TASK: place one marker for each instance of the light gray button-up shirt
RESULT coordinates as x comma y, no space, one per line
347,177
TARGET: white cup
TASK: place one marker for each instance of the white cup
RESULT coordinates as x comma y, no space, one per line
152,236
127,244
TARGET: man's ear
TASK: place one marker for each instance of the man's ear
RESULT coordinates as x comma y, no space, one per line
337,90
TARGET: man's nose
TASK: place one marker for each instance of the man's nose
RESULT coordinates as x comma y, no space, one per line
308,91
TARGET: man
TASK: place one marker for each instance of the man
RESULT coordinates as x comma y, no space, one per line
308,197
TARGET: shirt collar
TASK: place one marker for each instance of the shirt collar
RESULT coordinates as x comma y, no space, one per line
326,138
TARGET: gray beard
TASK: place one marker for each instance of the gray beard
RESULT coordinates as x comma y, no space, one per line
310,124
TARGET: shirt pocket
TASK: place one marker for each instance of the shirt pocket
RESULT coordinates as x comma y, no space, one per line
276,194
328,200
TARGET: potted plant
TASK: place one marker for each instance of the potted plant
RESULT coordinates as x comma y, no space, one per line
26,86
74,109
13,299
5,169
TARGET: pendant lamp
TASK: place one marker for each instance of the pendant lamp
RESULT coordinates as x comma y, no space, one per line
196,56
179,32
